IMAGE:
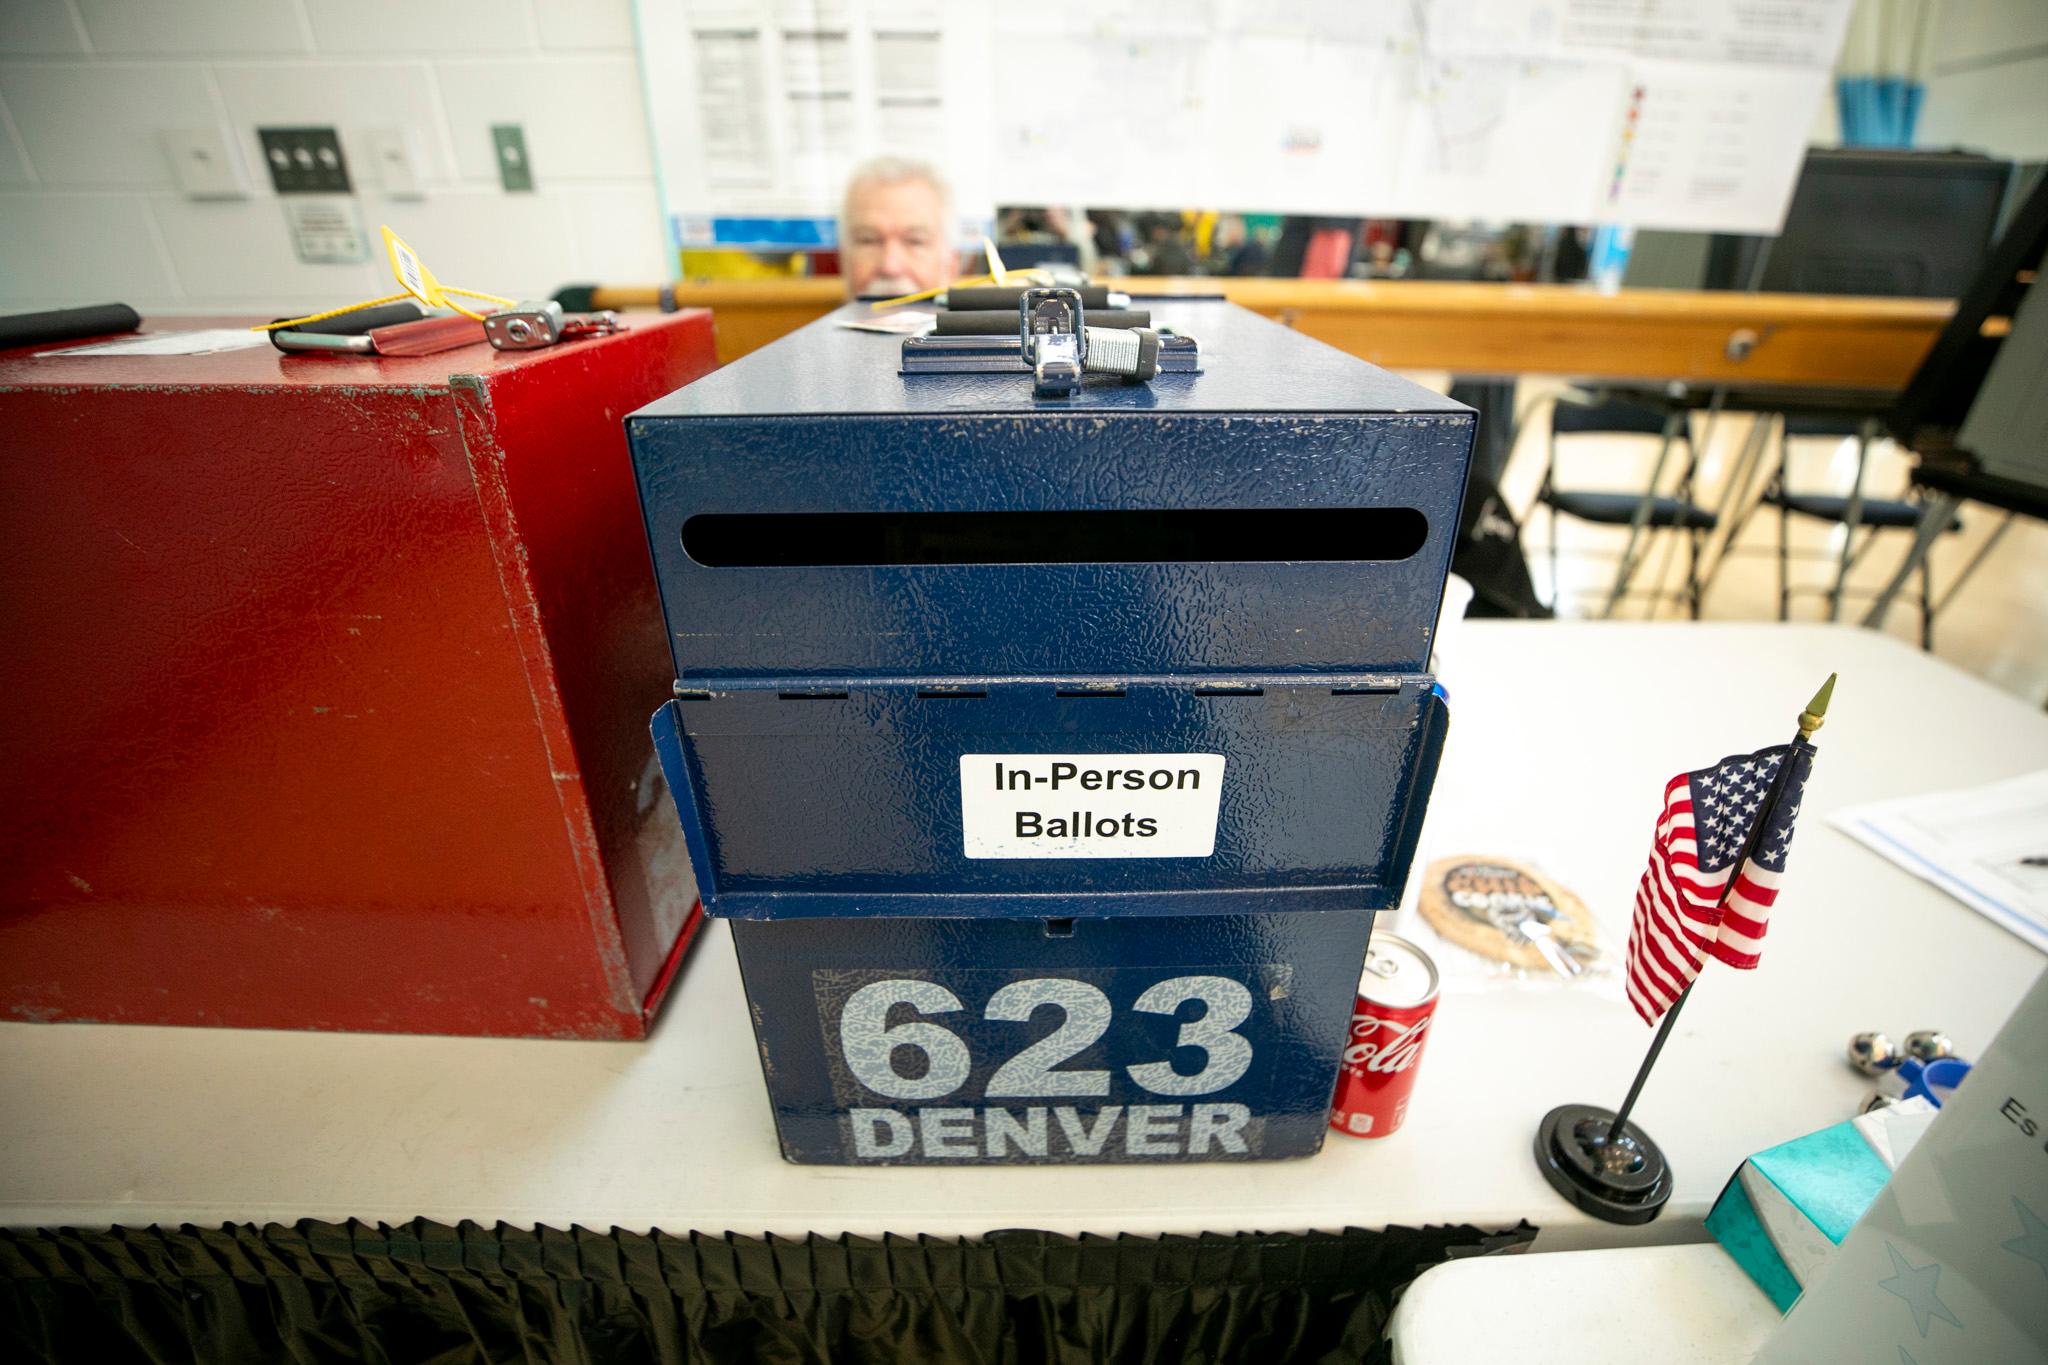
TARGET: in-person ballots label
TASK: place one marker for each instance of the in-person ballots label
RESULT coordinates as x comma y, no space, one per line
1090,805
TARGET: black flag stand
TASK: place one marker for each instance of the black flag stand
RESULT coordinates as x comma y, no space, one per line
1595,1157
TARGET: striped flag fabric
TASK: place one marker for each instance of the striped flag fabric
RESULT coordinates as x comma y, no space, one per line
1681,915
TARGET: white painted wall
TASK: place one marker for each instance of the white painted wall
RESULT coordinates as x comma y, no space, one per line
1987,78
89,211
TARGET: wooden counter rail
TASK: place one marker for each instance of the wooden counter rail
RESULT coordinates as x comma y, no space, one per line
1637,334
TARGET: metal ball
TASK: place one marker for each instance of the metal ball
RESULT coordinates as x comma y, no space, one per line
1929,1044
1873,1054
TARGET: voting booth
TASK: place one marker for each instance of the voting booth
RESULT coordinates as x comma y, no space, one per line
1050,757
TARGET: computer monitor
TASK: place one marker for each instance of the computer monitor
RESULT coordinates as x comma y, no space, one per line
1873,221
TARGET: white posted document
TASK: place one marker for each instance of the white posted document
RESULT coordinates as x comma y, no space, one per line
203,342
1688,114
1986,846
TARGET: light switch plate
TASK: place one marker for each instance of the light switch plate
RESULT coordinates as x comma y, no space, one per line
394,162
305,160
515,171
205,163
326,229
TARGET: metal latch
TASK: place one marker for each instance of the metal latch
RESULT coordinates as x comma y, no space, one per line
1054,338
1055,342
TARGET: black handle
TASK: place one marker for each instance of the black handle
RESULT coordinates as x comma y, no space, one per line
360,322
67,324
974,298
993,323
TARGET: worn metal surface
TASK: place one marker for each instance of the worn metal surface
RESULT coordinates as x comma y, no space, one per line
822,423
899,589
835,807
324,683
801,804
1264,1096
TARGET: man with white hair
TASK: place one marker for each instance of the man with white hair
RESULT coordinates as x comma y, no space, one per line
896,230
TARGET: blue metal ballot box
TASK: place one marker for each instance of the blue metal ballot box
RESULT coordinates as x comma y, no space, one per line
1050,757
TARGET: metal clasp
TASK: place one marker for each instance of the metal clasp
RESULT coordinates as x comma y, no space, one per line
1052,331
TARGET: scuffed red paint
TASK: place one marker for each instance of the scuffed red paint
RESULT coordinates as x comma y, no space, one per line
328,685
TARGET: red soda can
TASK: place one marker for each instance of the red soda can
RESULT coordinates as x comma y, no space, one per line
1390,1023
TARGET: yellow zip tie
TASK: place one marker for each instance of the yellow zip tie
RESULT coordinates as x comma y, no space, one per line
419,283
443,291
923,294
330,313
964,282
453,306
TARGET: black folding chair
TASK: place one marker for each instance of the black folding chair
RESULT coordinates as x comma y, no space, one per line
1644,513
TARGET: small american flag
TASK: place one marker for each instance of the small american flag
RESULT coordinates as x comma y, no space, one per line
1680,916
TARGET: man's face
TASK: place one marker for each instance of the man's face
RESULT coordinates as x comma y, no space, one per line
896,240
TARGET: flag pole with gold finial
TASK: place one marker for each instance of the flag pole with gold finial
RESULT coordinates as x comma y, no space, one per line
1810,720
1620,1175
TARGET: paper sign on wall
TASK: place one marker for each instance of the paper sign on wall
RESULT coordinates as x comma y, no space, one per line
1688,114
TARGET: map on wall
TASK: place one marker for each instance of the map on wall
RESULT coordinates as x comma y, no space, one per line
1684,114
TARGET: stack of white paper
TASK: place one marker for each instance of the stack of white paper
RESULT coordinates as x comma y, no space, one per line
1986,846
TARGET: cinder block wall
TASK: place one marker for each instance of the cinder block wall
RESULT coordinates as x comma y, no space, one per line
89,211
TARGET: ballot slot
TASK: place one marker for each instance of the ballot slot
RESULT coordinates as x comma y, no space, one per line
958,546
1097,692
1344,535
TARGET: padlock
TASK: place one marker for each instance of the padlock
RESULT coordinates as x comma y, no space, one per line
525,326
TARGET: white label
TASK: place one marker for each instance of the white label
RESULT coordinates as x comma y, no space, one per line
1090,805
406,266
326,230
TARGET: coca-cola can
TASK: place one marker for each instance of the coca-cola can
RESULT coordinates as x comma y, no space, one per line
1389,1025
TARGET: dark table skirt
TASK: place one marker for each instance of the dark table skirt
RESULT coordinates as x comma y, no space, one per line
423,1291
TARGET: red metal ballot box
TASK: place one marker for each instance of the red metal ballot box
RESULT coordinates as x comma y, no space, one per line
326,682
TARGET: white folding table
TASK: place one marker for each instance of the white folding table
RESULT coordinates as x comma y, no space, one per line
1674,1305
1562,738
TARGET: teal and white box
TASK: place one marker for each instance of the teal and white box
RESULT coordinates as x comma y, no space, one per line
1786,1208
